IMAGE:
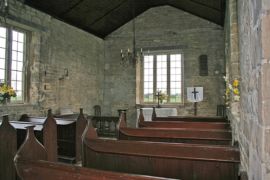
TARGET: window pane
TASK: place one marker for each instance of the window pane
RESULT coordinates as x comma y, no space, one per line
162,73
3,32
20,47
148,78
19,76
14,55
14,65
19,86
14,46
19,66
2,75
21,37
20,56
13,75
175,78
2,42
14,36
2,53
14,85
2,64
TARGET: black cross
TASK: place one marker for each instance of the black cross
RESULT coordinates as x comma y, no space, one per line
195,93
158,95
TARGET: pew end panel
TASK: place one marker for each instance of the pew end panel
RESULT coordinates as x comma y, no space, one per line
50,137
106,125
80,127
8,148
31,164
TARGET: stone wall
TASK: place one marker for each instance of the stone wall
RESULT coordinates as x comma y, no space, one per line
254,124
232,62
161,27
65,68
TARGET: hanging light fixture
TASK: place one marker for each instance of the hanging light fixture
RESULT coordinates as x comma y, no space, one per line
132,56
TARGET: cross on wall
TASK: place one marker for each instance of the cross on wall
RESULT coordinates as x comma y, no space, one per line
194,92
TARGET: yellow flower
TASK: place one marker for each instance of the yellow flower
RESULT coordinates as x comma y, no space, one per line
236,91
227,91
235,83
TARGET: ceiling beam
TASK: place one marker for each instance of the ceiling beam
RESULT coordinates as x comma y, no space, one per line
198,10
108,12
71,8
206,5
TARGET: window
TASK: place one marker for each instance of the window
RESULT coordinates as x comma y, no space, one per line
12,58
162,72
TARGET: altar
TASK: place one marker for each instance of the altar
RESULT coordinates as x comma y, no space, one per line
161,112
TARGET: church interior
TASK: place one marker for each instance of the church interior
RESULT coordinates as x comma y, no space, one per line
126,89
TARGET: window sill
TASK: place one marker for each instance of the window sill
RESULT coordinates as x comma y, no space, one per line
161,105
15,105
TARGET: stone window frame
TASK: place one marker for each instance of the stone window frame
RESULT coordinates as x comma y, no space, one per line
10,27
140,79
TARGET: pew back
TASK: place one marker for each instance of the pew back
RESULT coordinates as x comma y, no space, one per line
69,132
8,148
182,124
31,164
172,160
176,135
191,119
106,125
195,136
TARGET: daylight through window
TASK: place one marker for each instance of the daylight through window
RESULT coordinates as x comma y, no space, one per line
163,72
12,55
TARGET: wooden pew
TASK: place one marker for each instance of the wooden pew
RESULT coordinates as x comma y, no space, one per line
12,134
182,124
195,136
69,132
31,164
106,125
188,118
171,160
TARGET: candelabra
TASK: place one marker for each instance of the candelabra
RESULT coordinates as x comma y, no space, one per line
131,57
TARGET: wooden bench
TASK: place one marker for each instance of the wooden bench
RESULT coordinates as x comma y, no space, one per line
31,164
12,134
182,124
171,160
69,132
188,118
106,125
194,136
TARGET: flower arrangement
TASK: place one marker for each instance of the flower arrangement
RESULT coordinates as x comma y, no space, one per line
232,90
6,92
161,96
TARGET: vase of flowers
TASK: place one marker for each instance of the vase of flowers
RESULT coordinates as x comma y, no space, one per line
6,92
161,96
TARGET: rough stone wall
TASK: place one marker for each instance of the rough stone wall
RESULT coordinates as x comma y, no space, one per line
254,127
232,62
166,26
55,48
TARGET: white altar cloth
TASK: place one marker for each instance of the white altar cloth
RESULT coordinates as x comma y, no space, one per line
161,112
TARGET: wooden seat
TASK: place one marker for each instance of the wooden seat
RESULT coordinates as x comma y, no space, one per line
69,132
195,136
12,135
31,164
171,160
183,124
